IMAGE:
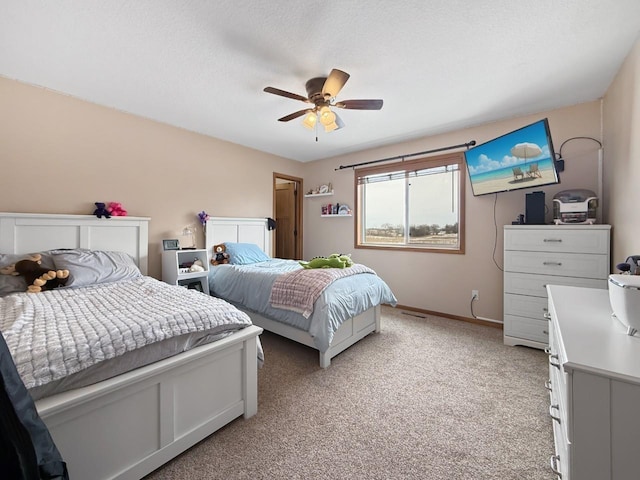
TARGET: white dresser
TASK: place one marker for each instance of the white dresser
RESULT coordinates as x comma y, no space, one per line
539,255
594,384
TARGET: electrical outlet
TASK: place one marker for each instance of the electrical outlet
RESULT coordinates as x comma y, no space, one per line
475,295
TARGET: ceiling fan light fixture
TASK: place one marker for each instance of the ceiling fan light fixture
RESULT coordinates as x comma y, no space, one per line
331,127
327,117
310,120
337,124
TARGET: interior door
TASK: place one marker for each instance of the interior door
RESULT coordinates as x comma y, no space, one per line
285,217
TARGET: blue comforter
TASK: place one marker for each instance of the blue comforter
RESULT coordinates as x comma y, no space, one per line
249,286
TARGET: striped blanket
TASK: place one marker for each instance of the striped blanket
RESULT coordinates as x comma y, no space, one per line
298,290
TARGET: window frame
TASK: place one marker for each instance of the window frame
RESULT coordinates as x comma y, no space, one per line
410,165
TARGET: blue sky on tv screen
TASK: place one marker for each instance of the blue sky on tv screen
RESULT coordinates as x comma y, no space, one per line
497,154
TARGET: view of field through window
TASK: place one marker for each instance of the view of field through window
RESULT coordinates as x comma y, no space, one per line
417,208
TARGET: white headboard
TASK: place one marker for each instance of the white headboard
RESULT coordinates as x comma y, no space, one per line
242,230
37,232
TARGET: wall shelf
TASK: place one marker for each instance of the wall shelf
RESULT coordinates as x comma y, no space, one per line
310,195
338,215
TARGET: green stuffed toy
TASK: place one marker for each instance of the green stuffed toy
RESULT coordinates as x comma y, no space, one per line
335,260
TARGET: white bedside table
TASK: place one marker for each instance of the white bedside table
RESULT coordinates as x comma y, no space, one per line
172,272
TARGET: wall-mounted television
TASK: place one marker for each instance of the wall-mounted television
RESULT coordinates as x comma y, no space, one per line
523,158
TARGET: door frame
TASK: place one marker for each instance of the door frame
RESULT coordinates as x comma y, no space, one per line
298,206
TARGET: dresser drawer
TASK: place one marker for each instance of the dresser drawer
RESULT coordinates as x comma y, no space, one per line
558,382
536,285
525,306
526,328
558,264
557,375
558,239
562,460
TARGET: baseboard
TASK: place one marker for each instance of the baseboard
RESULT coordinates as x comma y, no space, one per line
453,317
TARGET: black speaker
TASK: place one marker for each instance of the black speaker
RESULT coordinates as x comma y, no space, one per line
534,208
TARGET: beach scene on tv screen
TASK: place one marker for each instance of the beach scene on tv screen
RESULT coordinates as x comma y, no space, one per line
520,159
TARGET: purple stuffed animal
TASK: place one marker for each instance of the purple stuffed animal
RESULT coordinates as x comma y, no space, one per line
101,210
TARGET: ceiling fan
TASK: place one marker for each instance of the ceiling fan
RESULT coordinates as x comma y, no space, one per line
322,93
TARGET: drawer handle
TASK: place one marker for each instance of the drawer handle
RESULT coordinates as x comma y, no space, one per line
552,240
557,264
552,356
551,408
547,385
555,460
546,332
547,315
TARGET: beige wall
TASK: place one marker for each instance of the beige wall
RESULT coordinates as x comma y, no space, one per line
60,155
622,157
443,282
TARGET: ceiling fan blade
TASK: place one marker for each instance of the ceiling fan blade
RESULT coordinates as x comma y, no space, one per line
334,83
282,93
360,104
294,115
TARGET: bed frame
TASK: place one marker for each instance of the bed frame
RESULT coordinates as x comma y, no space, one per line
127,426
254,230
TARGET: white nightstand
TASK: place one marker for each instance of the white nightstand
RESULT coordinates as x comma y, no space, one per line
174,274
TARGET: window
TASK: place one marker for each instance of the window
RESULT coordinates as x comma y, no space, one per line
413,205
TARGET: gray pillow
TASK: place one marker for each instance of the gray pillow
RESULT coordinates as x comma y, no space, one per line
90,267
14,284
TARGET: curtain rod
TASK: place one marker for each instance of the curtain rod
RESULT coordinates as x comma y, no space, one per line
468,144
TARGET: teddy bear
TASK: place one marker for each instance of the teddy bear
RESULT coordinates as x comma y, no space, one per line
220,255
116,209
101,210
38,279
196,266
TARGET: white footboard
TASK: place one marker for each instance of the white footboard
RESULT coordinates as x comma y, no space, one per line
350,332
128,426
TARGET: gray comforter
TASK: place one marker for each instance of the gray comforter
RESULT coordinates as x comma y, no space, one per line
59,332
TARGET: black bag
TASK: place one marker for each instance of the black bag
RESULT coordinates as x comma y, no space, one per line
27,451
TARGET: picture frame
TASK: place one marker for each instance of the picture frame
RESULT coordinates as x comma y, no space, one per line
171,244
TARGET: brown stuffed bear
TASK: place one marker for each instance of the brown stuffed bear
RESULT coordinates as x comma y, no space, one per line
38,278
220,255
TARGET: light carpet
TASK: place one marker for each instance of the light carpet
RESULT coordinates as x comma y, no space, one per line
426,398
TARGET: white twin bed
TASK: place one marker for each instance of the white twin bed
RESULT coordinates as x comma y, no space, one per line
129,424
330,329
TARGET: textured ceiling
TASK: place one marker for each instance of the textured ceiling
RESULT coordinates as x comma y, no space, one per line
439,65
